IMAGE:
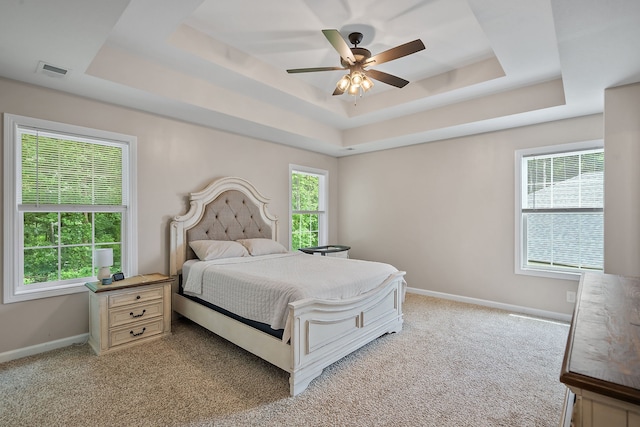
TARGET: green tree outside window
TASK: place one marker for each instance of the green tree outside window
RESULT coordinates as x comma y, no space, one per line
306,210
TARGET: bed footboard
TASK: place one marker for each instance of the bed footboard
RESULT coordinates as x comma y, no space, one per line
323,332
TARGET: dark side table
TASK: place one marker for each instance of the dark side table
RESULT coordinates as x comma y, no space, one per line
328,249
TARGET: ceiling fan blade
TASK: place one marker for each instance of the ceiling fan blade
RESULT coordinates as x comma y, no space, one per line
387,78
396,52
340,45
338,91
312,70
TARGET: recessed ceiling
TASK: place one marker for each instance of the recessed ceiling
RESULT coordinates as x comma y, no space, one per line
488,64
449,28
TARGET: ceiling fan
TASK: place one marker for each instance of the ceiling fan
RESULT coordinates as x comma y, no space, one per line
358,59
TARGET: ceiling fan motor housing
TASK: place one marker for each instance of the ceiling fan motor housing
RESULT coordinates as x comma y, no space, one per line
361,54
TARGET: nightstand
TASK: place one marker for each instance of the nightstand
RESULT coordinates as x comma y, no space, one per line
129,311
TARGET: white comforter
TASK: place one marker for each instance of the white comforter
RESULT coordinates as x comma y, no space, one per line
260,288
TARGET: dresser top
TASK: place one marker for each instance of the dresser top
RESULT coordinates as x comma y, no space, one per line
603,348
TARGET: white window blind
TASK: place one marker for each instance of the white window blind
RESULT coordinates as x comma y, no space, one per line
565,181
562,211
60,170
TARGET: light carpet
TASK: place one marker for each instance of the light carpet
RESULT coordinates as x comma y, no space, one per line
453,364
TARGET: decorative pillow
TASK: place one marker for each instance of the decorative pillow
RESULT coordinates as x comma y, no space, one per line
261,246
208,250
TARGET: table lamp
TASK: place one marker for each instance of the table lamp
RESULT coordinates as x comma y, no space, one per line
104,260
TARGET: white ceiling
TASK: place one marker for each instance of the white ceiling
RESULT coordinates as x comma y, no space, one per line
488,64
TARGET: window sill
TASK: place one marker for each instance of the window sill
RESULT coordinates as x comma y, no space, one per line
11,296
562,275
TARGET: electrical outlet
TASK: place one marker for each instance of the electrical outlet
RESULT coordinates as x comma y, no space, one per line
571,296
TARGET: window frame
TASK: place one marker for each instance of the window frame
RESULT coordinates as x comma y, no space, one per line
14,290
323,202
520,189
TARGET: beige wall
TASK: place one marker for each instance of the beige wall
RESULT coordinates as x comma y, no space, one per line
442,211
445,213
622,180
174,158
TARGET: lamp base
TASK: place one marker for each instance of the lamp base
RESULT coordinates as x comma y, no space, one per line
104,275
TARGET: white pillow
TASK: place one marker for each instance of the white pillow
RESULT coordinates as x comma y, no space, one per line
208,250
262,246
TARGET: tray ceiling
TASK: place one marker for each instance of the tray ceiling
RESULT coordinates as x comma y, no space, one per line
488,64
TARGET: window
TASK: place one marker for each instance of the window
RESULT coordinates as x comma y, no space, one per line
308,192
68,191
560,210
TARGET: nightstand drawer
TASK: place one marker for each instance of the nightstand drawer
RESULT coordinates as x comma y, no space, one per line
135,313
135,332
119,300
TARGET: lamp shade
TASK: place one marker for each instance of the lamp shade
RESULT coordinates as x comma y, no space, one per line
104,257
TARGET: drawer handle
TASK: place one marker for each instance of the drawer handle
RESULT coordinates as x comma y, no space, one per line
139,333
137,296
138,315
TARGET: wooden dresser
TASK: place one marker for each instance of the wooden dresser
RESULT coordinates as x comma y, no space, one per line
601,364
129,312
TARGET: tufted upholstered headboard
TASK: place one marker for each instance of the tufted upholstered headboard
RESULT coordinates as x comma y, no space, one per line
231,216
227,209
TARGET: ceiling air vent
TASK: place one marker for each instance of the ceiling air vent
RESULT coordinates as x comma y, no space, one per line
51,70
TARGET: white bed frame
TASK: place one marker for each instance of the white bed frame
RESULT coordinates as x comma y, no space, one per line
322,331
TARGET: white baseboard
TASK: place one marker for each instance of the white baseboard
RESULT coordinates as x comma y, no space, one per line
80,339
41,348
493,304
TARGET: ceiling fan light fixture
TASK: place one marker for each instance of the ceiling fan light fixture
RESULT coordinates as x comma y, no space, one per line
356,78
344,83
366,83
353,90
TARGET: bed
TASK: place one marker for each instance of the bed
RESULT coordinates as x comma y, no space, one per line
313,332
